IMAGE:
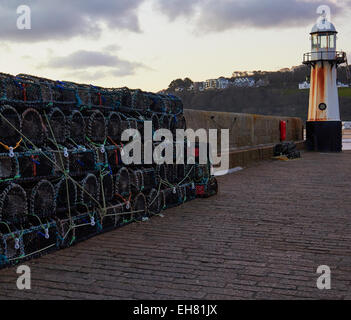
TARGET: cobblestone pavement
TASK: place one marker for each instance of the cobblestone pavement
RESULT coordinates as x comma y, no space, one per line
262,237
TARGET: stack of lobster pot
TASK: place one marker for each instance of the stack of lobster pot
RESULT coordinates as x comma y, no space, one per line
62,176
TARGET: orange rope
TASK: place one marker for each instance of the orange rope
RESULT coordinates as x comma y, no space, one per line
124,200
14,148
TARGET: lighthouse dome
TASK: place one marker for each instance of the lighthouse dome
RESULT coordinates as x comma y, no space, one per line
323,26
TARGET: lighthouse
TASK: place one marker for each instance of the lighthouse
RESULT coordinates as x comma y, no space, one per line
324,128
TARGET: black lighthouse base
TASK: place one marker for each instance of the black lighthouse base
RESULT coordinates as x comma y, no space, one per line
324,136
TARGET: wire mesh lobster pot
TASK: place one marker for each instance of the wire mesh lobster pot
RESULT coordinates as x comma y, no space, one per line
140,101
188,191
66,197
42,201
19,91
155,123
82,162
10,126
107,187
13,204
32,127
63,95
172,173
171,197
56,124
61,161
96,127
122,183
9,168
139,207
156,103
165,122
207,189
202,173
136,182
101,97
36,164
148,179
89,192
114,215
114,127
11,247
161,173
113,158
124,98
83,95
76,127
154,202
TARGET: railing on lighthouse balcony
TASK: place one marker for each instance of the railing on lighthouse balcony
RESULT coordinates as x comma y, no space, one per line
337,57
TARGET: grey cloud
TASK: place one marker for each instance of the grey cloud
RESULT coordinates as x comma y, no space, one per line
64,19
107,63
219,15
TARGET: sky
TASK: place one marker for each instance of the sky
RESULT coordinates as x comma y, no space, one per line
148,43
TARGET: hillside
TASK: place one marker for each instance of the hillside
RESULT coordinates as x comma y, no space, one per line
264,100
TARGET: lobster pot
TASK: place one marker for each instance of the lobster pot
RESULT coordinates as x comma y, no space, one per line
32,128
9,168
157,104
173,123
123,183
155,123
190,172
36,165
179,108
148,179
135,180
139,102
154,202
114,126
180,172
139,207
46,90
61,161
86,226
39,240
207,189
102,97
10,126
13,204
202,173
166,103
11,247
19,91
188,191
124,98
96,127
83,95
81,162
76,127
113,158
89,193
165,122
113,216
56,126
107,188
63,94
42,201
171,197
66,196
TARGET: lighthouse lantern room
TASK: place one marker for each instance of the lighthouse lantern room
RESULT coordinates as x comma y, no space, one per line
324,128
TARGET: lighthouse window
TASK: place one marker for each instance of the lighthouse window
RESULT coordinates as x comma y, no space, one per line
332,41
314,41
323,41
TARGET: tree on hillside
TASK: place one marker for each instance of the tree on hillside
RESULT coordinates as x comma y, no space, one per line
179,83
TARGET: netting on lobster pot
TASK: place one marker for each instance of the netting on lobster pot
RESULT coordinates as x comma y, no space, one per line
165,122
89,193
171,173
113,158
148,178
66,197
124,97
96,127
202,172
154,202
101,96
155,123
136,182
36,164
61,161
161,173
56,124
113,216
156,103
138,100
10,126
139,207
32,126
83,95
64,93
107,188
180,168
13,204
114,127
81,162
42,201
76,127
9,168
122,183
171,196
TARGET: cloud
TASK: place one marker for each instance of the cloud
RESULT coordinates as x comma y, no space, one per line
107,64
220,15
64,19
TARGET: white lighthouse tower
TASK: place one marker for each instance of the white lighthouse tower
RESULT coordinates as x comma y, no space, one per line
324,128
